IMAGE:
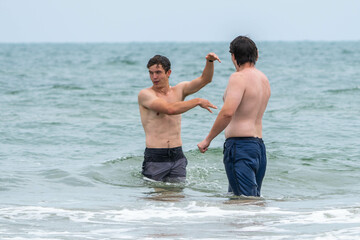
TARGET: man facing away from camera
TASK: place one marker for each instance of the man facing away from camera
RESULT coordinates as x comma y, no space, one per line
245,101
161,106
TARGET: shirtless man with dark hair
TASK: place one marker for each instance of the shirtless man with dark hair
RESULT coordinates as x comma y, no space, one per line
160,107
245,101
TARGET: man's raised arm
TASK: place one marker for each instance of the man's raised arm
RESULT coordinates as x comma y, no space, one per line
190,87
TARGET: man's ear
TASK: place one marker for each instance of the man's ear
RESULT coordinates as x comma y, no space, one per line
233,59
168,73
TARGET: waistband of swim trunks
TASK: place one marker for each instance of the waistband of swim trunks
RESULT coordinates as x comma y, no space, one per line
244,139
163,150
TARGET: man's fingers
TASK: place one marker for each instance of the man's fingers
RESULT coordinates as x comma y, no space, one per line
208,106
201,149
208,109
217,58
213,56
213,106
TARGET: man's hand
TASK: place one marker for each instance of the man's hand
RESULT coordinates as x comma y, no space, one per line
206,104
203,146
212,57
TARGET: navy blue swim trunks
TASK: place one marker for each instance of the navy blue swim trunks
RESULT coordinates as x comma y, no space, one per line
165,164
245,165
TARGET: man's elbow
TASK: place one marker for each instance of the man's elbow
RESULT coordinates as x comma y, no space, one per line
171,111
206,80
228,114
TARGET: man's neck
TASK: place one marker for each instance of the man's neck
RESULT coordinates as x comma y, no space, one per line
162,89
244,66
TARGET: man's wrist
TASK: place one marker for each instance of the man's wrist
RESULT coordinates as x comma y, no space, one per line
210,60
198,101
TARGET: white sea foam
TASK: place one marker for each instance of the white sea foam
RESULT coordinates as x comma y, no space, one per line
325,217
123,223
343,234
148,212
171,211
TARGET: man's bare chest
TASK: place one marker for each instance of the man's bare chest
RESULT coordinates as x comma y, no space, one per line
170,97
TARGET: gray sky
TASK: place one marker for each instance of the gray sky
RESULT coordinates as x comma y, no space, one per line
183,20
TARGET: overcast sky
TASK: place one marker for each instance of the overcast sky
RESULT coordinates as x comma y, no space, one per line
183,20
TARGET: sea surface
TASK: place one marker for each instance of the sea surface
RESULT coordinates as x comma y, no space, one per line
71,145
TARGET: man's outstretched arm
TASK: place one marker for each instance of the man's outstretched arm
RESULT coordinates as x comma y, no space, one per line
205,78
234,94
160,105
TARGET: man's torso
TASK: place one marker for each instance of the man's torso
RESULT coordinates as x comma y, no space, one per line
162,130
247,120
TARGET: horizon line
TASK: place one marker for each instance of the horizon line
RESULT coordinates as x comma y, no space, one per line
116,42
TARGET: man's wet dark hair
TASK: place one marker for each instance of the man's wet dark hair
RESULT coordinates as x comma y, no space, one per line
244,50
160,60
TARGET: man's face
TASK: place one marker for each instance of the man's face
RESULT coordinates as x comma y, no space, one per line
158,75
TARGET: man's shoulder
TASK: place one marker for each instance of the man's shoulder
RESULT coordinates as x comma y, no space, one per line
181,85
248,75
236,75
145,95
237,78
178,89
146,91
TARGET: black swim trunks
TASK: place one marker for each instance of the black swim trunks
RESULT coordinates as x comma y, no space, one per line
165,164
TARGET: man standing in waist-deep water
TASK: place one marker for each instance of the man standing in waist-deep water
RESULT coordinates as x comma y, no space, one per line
161,106
245,101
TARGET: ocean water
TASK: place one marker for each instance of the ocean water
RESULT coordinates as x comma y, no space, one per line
71,145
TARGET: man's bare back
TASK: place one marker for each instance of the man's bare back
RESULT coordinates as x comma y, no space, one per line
245,101
255,88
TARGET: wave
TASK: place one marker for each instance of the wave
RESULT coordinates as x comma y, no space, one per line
10,182
205,173
53,222
14,92
344,90
347,52
117,172
122,61
67,87
65,177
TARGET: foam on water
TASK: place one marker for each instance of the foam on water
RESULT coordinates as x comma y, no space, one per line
122,221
